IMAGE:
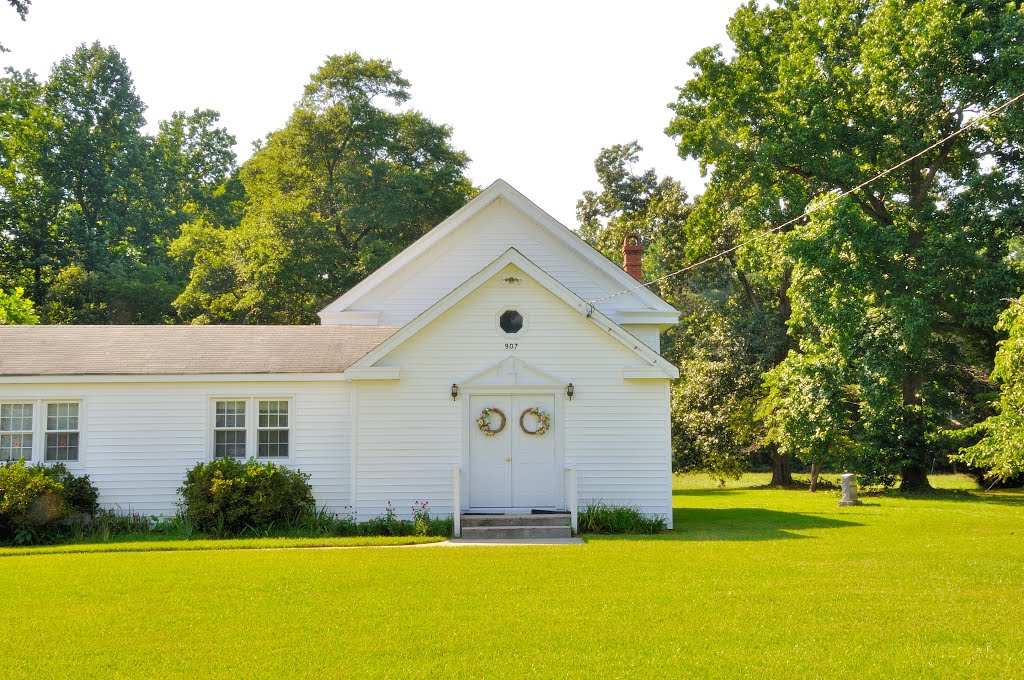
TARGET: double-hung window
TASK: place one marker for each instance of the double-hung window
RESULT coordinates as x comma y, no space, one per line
272,430
251,427
229,429
16,431
62,432
48,431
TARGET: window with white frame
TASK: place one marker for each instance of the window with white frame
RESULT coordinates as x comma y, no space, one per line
272,430
229,429
16,431
62,431
264,434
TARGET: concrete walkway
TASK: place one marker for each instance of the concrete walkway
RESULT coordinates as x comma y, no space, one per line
457,542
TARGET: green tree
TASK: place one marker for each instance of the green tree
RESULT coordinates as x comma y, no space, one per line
195,163
721,343
29,204
116,269
350,181
999,451
633,201
819,97
89,204
15,309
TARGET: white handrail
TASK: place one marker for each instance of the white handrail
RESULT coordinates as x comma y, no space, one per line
572,495
456,502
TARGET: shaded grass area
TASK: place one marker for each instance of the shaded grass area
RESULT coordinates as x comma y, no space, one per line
150,543
752,583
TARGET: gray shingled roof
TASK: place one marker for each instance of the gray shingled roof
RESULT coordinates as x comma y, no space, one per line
183,350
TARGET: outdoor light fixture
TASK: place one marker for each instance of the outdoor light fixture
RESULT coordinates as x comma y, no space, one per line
455,391
569,391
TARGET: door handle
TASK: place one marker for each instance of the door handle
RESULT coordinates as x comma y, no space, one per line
508,460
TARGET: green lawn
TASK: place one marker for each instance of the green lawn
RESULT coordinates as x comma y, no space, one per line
753,583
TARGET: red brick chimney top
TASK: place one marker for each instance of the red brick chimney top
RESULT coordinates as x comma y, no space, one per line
633,255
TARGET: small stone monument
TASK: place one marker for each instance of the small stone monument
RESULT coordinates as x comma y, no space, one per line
849,490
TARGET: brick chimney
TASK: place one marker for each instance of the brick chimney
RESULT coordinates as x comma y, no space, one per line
633,256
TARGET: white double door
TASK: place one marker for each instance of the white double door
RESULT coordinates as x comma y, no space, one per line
513,468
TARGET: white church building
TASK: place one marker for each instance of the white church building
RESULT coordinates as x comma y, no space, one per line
494,366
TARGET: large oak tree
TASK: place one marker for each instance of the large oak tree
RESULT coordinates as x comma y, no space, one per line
893,292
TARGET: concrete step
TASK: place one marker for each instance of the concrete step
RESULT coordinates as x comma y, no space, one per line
544,520
514,532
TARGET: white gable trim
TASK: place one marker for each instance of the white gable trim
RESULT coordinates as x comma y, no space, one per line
514,257
501,189
513,372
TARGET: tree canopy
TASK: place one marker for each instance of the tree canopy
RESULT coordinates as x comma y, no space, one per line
89,203
1000,451
350,181
15,309
890,296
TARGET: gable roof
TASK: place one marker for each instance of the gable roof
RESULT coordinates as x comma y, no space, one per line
545,280
183,350
499,189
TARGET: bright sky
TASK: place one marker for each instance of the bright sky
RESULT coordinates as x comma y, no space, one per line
533,90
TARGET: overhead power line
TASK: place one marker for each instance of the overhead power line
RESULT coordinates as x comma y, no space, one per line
833,199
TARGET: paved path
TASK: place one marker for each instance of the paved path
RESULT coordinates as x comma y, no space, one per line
457,542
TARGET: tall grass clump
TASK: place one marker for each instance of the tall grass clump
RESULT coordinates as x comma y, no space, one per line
598,517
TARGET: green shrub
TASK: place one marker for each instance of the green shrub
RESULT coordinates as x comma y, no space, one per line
227,497
600,518
34,499
79,493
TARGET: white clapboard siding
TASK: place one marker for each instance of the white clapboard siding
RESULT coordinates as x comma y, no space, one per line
649,335
470,248
139,439
410,431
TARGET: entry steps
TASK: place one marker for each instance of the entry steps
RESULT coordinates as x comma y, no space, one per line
539,525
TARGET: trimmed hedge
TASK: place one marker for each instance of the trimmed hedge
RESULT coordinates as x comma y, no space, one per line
226,497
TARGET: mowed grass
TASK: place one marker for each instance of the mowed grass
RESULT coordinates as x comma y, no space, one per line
160,544
752,583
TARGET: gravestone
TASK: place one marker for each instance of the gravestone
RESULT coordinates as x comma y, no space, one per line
849,490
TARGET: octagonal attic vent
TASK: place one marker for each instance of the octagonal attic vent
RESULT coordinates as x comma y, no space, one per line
511,321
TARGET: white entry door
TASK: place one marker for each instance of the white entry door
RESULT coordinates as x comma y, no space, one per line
490,457
512,468
533,455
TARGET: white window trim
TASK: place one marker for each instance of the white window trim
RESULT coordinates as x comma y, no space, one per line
252,414
511,308
39,406
32,432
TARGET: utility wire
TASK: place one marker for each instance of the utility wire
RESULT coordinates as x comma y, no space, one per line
833,199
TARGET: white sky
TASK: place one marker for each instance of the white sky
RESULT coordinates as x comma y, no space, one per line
533,90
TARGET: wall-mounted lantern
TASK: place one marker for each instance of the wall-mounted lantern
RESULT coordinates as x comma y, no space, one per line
455,391
570,390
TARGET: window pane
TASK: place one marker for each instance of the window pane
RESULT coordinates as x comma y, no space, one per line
63,416
272,444
230,414
273,414
229,444
15,417
15,446
62,446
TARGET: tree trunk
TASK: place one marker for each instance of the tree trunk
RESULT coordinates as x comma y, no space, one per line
782,473
914,476
815,472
